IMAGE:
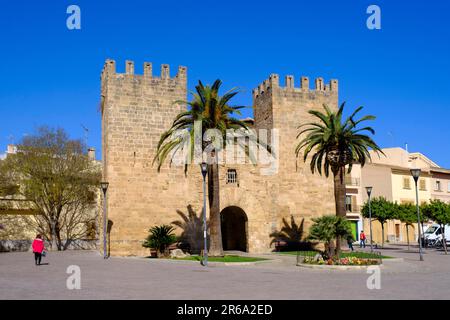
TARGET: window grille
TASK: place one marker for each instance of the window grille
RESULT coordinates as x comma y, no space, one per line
231,176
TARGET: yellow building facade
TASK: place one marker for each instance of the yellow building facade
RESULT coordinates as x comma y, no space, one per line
390,177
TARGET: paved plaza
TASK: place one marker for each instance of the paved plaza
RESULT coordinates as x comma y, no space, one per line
140,278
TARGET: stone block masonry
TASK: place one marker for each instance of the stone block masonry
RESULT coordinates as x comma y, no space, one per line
136,109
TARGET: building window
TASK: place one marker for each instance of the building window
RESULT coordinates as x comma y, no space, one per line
423,185
231,176
438,186
348,203
448,187
351,204
406,183
397,231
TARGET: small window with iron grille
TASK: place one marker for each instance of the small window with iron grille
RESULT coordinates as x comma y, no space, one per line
231,176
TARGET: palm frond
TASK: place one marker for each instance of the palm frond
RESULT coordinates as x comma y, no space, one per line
207,107
331,134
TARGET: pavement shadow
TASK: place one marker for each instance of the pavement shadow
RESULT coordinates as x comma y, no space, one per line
412,251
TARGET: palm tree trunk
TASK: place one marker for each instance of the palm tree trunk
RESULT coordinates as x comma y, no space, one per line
215,248
328,250
340,192
339,199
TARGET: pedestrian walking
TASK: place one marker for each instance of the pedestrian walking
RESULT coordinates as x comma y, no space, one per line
350,242
38,249
362,239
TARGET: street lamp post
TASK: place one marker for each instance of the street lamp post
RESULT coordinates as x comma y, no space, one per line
204,169
369,194
104,186
416,174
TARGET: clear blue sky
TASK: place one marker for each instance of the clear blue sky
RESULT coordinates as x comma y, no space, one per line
50,75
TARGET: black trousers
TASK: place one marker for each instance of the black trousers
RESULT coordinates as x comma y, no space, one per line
37,257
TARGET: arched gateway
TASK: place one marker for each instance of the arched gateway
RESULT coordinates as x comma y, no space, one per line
234,229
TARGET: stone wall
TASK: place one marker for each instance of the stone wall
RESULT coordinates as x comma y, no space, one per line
15,233
136,109
296,191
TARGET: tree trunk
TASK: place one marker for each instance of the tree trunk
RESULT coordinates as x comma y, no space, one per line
340,192
58,237
444,240
339,199
215,247
407,234
53,234
328,250
382,234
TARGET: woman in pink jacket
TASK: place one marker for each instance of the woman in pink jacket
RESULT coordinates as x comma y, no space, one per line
38,248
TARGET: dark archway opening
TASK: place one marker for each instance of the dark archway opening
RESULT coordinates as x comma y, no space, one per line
234,229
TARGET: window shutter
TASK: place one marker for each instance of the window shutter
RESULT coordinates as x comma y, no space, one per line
354,204
423,185
406,183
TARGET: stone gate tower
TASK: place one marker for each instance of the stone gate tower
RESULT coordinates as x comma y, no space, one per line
284,108
136,109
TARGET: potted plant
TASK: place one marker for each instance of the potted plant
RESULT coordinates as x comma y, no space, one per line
159,239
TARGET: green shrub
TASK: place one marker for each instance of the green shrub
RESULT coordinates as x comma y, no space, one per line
327,228
160,238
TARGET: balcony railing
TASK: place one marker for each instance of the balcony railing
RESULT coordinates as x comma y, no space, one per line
354,182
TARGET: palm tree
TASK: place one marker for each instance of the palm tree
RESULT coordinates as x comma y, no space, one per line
211,111
160,238
327,228
336,144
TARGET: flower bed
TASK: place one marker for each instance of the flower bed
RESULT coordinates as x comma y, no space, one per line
227,259
350,261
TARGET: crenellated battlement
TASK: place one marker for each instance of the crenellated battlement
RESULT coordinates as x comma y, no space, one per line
273,83
109,71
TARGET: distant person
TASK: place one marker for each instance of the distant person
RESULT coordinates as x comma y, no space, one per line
38,249
362,239
350,243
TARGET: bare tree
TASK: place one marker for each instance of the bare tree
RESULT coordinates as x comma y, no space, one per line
59,182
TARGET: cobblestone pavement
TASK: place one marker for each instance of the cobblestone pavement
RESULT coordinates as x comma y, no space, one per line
139,278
